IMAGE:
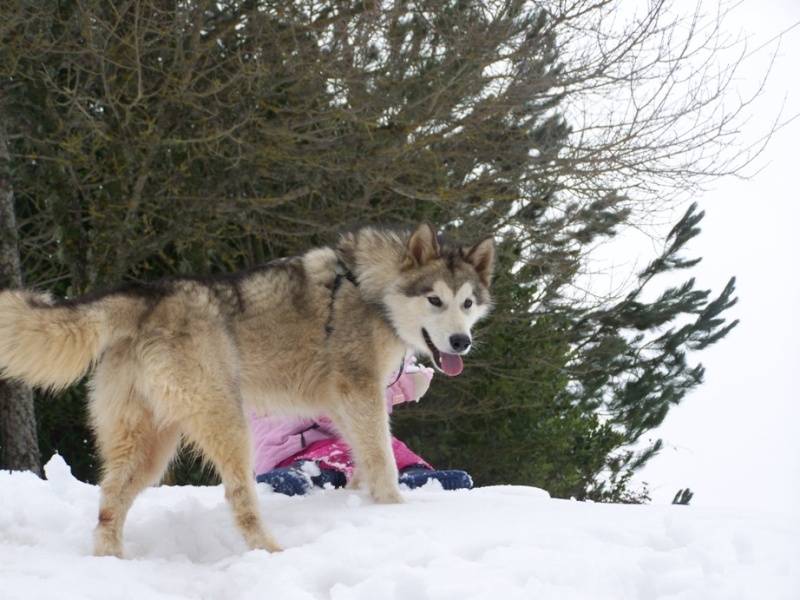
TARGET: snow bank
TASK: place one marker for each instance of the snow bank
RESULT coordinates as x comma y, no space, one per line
496,542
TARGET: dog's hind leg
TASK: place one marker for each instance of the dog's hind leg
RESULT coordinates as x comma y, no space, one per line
135,454
222,434
134,447
192,380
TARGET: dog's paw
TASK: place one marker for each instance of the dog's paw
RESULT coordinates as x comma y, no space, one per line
271,546
388,496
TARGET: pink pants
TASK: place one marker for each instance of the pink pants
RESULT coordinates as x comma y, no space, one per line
334,454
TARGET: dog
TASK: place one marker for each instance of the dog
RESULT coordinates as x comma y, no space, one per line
183,359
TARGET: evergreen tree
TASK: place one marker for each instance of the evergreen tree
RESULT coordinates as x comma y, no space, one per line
161,137
630,359
683,497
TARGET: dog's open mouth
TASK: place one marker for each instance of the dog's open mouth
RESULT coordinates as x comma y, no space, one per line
450,364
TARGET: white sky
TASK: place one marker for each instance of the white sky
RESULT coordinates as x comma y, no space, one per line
735,440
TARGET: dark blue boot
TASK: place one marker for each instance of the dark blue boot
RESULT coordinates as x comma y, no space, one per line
415,477
290,481
294,480
330,477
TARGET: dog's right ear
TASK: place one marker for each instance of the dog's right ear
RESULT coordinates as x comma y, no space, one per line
422,248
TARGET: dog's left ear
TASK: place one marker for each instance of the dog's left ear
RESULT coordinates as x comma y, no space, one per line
422,248
481,257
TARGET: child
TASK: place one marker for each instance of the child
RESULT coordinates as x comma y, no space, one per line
292,455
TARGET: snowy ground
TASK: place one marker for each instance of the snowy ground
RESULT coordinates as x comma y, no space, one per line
500,543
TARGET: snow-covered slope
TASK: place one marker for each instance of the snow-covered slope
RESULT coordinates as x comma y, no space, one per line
499,543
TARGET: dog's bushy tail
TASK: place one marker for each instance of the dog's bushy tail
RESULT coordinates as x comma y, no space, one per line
50,344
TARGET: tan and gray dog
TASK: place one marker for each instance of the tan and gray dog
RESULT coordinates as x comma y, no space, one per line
186,358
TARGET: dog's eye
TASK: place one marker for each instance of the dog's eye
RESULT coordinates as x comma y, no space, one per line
435,300
467,302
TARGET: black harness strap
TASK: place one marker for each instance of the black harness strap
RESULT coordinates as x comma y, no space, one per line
347,274
337,283
399,371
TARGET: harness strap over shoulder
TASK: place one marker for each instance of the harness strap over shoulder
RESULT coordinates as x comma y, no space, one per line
346,273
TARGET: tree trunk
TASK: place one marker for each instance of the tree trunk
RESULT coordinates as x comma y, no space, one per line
19,448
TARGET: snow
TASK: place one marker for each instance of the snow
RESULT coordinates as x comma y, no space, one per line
505,542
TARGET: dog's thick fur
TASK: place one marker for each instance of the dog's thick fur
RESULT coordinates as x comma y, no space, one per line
186,358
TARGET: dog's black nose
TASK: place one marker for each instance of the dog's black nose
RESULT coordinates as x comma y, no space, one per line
459,342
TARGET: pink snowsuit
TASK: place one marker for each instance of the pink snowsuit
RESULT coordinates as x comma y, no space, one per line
281,442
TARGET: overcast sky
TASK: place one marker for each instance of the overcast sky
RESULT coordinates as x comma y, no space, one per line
735,440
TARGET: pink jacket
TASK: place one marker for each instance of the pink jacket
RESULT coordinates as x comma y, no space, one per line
280,442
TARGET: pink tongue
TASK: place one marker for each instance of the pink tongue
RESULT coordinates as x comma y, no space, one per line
452,364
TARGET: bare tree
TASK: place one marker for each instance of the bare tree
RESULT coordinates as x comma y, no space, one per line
156,136
652,99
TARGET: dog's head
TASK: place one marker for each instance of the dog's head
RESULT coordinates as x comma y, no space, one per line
442,291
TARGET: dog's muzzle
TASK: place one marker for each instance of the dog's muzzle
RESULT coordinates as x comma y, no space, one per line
450,364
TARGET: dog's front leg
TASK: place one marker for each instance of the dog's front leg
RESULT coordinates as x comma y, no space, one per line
364,423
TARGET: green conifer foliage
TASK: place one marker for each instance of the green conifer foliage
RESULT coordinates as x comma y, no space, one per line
149,138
